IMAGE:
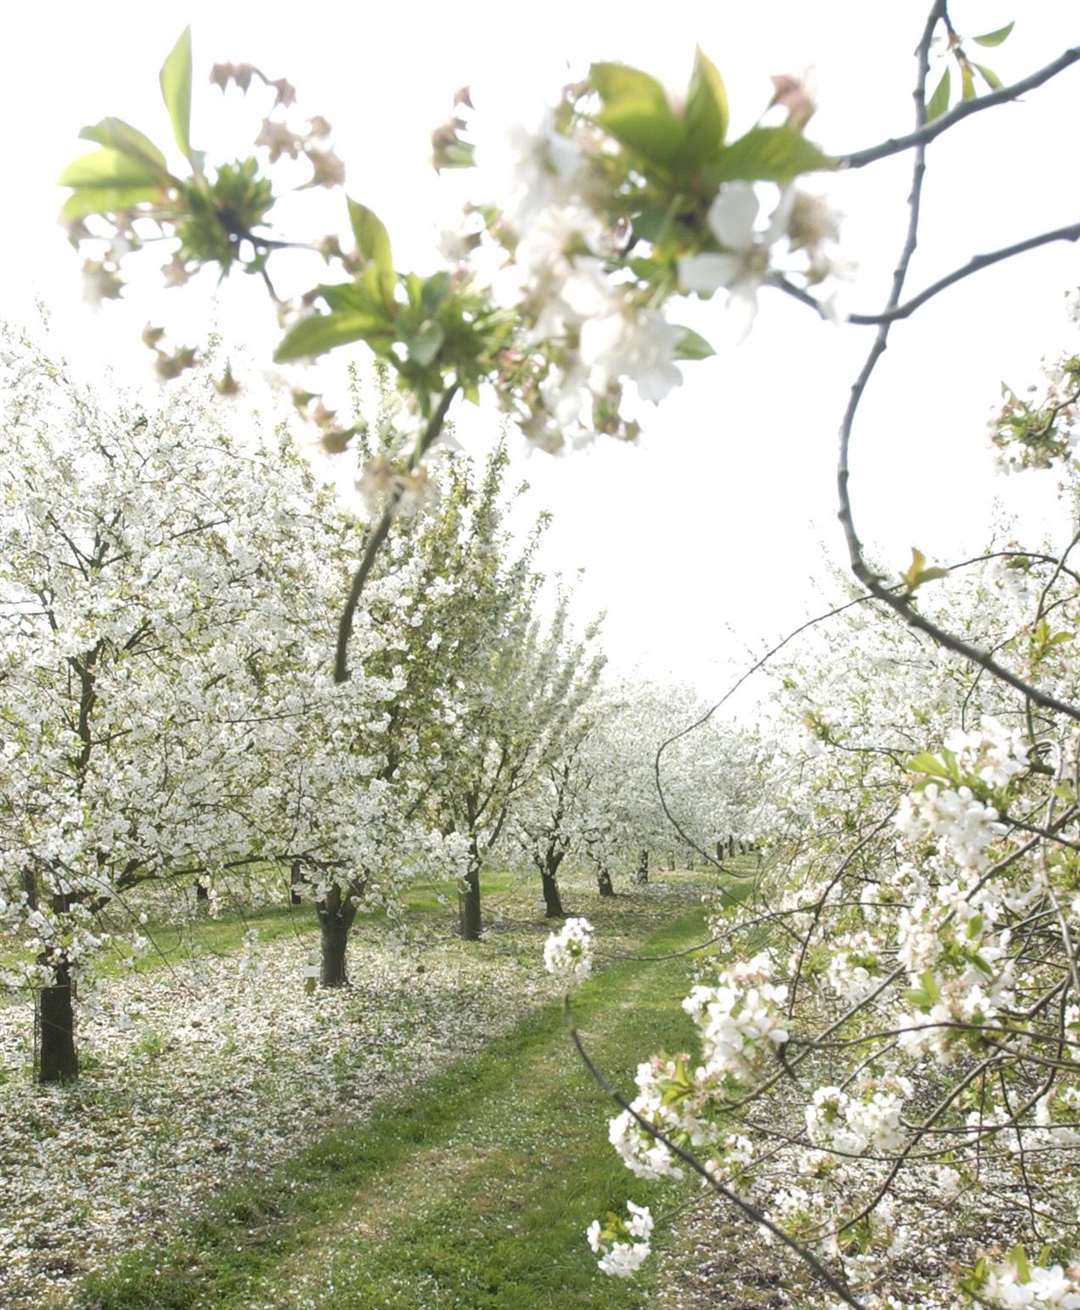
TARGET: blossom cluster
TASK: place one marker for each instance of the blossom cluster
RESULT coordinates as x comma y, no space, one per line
622,1244
568,952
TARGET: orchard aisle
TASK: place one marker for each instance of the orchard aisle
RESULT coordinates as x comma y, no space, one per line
472,1192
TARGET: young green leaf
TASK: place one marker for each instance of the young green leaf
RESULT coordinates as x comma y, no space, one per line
927,763
917,572
1019,1261
115,134
768,154
108,168
175,82
372,238
317,335
619,83
105,199
995,37
988,76
939,101
424,346
706,110
692,345
967,82
652,131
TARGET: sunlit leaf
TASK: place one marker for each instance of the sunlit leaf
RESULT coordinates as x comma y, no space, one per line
108,168
996,37
616,83
939,101
323,332
175,81
652,131
706,110
106,199
769,154
117,135
372,238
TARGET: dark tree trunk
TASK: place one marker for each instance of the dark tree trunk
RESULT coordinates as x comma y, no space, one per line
202,892
58,1060
336,915
552,901
603,881
469,916
296,877
642,874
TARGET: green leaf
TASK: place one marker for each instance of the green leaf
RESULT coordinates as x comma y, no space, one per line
175,82
372,238
315,336
988,76
967,82
435,291
108,168
939,101
927,763
117,135
617,83
996,37
1019,1261
981,964
105,200
692,345
706,114
424,346
917,573
769,154
653,132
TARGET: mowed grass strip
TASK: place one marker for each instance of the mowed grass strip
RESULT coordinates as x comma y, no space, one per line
173,942
475,1191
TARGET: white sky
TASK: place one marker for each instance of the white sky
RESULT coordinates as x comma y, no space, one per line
707,537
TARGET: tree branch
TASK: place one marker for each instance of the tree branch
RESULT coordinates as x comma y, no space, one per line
378,536
926,132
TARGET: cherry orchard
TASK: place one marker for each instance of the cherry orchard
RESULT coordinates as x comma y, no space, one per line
167,601
557,295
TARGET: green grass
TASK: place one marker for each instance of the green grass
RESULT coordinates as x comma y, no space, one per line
472,1193
172,941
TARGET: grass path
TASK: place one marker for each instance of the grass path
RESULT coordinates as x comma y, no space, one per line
472,1194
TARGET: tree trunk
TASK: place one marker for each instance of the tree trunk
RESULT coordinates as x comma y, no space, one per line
469,904
296,877
58,1060
603,881
202,892
552,902
336,915
642,875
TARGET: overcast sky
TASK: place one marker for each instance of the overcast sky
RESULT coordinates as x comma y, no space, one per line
715,531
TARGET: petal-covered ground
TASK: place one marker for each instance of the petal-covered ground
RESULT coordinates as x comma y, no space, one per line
220,1065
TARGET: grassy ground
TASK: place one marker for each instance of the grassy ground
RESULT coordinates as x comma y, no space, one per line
173,940
472,1193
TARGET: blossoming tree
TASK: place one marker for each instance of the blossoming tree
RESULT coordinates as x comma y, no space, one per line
925,1050
165,707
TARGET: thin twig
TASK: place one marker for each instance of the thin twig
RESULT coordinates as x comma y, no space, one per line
926,132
